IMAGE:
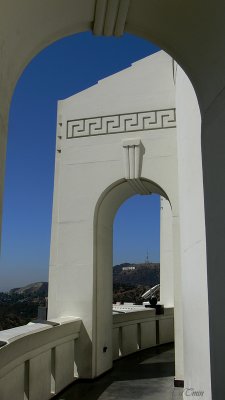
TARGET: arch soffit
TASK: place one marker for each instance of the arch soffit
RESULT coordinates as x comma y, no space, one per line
138,22
116,194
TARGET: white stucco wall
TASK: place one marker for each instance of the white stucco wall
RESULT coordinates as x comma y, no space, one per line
166,254
193,244
201,52
86,167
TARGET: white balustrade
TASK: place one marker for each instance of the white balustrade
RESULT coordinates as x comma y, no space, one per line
138,330
38,359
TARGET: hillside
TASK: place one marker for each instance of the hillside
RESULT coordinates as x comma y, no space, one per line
133,275
20,305
147,274
130,281
39,289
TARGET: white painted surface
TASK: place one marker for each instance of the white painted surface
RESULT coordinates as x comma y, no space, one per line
9,335
7,389
178,301
137,330
200,50
166,254
166,330
193,245
40,376
42,362
129,339
148,334
116,343
64,365
31,360
91,184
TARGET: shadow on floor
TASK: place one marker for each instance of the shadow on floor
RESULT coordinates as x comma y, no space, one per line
146,375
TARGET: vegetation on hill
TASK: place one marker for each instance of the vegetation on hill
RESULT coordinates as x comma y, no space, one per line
144,274
33,289
20,305
130,281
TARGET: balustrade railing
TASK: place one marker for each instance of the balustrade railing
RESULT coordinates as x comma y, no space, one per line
138,330
38,360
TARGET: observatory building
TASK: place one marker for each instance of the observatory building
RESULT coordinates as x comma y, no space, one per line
156,127
114,140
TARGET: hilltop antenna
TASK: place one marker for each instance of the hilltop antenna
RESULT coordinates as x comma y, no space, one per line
147,259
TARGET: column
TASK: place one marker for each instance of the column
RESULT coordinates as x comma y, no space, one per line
213,163
166,254
197,374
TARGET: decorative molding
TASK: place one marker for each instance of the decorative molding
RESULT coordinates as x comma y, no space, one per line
132,151
130,122
132,154
138,186
110,17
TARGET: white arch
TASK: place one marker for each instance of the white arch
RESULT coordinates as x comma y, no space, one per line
106,208
194,38
127,144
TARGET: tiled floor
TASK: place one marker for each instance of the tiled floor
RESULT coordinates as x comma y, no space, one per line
147,375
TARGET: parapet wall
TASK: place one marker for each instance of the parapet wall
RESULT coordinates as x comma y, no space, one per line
38,360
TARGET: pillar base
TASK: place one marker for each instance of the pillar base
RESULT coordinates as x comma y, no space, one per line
178,383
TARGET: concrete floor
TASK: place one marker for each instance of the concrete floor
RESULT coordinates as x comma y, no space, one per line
146,375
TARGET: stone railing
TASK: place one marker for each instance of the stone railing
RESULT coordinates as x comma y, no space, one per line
38,360
141,329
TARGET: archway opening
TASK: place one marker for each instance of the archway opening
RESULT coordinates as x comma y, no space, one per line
136,250
109,340
170,43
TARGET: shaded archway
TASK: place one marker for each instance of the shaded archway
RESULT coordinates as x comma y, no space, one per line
105,211
184,44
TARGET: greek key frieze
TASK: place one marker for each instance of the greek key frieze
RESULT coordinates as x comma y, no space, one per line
131,122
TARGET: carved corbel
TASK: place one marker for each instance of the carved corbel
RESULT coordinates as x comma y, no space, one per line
133,154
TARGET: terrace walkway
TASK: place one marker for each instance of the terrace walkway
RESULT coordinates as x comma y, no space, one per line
146,375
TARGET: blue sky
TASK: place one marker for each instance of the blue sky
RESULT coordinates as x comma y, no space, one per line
64,68
136,230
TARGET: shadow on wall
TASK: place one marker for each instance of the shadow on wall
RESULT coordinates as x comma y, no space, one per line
83,353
